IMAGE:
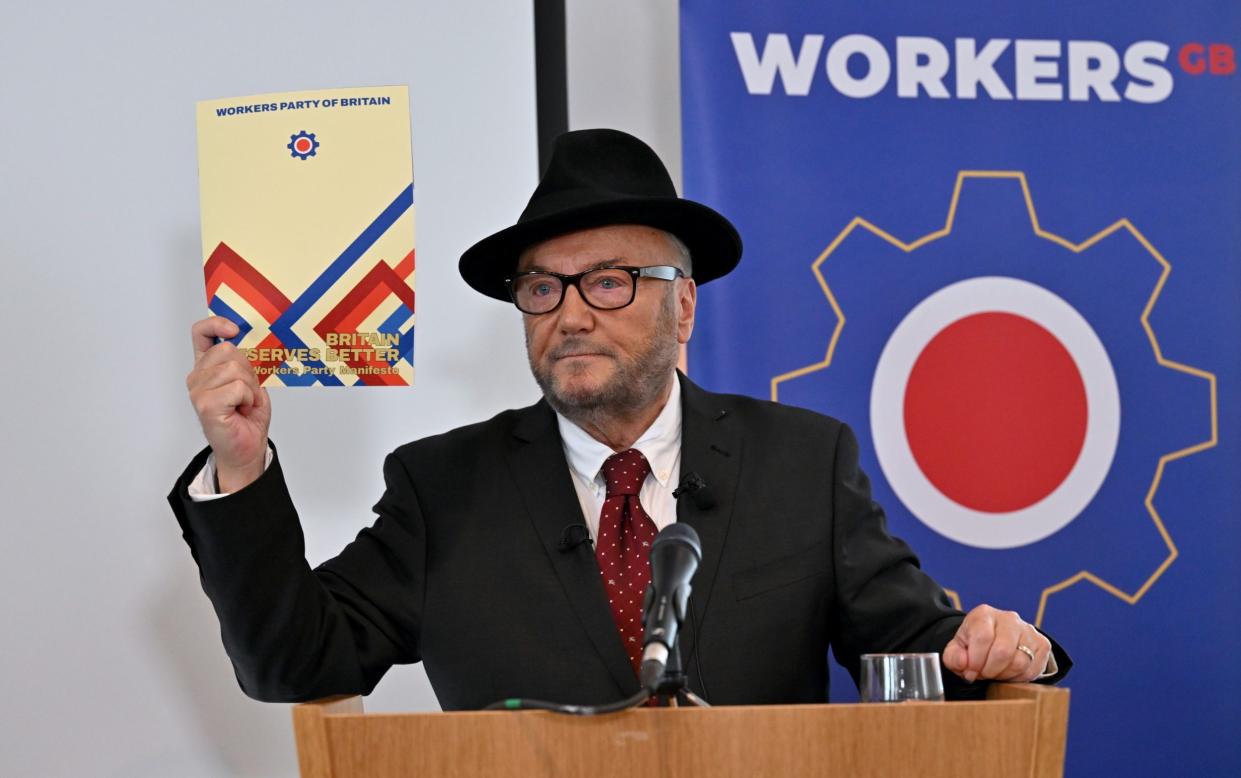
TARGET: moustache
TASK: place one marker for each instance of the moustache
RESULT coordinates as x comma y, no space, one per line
576,347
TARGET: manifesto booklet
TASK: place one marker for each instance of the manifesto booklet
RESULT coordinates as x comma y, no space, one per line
308,232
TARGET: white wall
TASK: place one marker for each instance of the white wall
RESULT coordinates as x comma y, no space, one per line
111,660
625,71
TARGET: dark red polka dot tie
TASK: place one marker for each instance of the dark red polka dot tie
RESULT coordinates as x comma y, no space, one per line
625,536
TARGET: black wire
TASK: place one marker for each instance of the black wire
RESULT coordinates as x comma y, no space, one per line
697,660
521,703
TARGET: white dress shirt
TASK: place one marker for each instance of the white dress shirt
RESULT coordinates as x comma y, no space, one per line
660,444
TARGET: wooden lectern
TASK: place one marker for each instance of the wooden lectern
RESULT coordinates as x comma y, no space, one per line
1018,731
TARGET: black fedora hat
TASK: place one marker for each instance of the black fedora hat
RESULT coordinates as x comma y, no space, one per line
597,178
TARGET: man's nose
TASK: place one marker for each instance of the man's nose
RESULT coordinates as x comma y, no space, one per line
575,314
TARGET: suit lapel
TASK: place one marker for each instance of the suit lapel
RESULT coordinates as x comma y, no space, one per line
711,449
542,475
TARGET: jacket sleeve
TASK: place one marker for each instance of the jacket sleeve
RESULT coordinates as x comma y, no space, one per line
293,633
886,603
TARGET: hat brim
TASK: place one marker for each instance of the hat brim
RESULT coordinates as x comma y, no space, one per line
713,242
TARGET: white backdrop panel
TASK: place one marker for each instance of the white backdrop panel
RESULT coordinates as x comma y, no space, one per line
111,657
624,71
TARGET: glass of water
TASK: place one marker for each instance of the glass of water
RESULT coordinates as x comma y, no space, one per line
900,677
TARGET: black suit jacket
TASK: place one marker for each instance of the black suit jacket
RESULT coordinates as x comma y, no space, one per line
463,569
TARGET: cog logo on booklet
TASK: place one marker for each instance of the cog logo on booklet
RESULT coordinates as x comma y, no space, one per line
302,145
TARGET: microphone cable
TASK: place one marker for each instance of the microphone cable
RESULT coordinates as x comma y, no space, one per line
522,703
696,658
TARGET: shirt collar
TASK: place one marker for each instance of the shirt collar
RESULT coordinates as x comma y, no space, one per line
660,444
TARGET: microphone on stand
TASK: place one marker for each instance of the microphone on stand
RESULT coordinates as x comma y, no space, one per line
675,555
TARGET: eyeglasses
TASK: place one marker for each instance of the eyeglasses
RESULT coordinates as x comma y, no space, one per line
605,288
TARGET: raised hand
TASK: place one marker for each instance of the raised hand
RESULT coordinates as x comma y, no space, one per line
235,412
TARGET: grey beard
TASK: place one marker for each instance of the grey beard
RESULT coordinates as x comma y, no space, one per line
635,385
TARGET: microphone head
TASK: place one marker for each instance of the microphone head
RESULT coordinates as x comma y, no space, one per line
680,534
674,556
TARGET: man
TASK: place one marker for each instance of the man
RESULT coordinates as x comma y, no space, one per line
472,565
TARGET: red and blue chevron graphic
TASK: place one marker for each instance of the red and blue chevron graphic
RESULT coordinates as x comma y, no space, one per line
226,269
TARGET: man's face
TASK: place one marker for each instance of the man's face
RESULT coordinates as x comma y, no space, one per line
586,359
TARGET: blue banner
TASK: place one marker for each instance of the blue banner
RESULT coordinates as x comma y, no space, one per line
1003,242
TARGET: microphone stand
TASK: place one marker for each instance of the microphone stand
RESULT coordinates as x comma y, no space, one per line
672,691
673,688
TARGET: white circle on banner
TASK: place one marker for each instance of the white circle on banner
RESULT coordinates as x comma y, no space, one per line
948,517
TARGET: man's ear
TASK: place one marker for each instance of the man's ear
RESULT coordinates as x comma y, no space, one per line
687,301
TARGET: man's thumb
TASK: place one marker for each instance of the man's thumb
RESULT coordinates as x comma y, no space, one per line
955,657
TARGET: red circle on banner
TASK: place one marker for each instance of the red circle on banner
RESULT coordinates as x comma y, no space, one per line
995,412
302,145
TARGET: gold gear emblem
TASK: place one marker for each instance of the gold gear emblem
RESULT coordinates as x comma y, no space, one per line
859,223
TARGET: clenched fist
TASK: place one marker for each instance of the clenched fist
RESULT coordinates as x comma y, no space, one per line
234,410
997,645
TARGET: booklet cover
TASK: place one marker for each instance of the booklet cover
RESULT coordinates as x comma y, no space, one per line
308,232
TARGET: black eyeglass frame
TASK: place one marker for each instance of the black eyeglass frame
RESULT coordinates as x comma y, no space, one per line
661,272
